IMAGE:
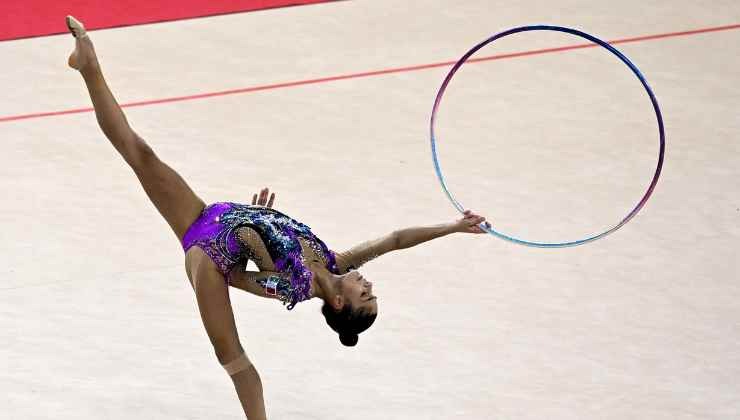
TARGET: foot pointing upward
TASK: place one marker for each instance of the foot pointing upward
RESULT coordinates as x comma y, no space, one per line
83,56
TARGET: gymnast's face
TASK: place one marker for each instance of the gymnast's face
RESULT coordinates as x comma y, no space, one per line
357,291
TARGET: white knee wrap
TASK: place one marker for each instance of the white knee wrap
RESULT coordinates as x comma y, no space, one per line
237,365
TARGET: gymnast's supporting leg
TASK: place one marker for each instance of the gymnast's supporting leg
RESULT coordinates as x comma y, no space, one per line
214,304
172,197
253,405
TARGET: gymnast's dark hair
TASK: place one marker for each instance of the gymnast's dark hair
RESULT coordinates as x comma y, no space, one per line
348,322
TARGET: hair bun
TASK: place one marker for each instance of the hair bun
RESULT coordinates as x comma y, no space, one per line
348,340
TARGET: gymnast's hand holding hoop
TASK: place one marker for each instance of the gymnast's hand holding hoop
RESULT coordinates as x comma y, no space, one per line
471,223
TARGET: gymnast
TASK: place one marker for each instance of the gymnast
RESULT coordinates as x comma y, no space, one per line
218,240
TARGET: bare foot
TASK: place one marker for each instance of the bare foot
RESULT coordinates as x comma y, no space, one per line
83,57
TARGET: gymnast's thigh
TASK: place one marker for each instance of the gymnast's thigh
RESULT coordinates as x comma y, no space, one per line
168,191
212,295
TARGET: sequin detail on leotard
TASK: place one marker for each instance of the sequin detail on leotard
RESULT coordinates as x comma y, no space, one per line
215,233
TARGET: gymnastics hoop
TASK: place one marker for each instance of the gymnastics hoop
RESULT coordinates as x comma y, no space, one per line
595,40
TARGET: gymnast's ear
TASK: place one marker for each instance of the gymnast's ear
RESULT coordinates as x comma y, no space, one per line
337,302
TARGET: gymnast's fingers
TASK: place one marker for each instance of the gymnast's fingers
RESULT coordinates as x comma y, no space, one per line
272,200
263,196
474,219
260,199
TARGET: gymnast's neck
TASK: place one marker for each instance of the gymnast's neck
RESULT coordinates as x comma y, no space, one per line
324,284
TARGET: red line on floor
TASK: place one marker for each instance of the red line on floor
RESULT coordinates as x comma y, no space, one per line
372,73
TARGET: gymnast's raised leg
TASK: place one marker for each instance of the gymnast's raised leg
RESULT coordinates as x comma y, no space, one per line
172,197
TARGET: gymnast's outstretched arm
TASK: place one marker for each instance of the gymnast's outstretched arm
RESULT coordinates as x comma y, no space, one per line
406,238
413,236
360,254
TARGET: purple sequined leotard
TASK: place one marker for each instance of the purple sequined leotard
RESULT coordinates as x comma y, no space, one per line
215,232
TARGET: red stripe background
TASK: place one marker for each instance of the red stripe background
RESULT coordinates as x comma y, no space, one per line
28,18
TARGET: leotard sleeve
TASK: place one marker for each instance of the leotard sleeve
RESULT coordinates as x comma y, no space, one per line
358,255
294,285
254,248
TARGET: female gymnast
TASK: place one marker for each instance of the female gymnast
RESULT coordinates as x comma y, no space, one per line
218,239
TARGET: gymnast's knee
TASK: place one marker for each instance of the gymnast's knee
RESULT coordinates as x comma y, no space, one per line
141,154
237,364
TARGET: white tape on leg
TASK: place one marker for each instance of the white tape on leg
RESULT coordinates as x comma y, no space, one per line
237,365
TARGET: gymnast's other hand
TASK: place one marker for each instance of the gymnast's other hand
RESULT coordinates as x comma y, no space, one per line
262,200
470,223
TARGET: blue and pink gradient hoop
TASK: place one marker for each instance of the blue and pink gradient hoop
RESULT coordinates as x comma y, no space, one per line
595,40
